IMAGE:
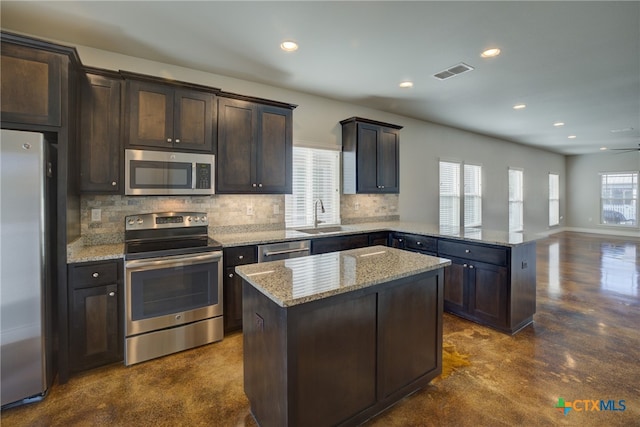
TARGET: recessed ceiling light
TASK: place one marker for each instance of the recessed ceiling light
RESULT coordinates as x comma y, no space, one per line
603,148
406,84
490,53
572,137
558,124
289,46
519,106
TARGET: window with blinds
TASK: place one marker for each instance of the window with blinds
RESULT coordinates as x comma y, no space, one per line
516,200
455,212
554,199
449,194
619,198
316,175
472,196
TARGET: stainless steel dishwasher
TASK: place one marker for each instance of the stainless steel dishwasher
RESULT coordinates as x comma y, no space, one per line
284,250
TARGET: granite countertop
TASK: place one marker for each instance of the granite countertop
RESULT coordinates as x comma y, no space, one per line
494,237
300,280
77,251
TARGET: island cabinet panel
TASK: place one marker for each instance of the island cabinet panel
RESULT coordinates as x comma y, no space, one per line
342,359
31,85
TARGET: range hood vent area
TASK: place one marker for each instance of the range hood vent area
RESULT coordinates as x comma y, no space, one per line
453,71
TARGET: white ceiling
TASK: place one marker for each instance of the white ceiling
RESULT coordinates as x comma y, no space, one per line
575,62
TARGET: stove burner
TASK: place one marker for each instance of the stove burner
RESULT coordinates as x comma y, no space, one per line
167,234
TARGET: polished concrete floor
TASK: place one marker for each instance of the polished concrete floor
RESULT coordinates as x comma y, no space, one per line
584,345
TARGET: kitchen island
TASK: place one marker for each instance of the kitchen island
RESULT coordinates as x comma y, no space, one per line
334,339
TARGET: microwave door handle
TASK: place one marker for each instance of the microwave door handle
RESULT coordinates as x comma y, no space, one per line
193,176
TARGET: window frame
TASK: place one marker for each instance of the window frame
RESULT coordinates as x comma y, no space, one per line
458,197
554,200
313,154
635,205
518,200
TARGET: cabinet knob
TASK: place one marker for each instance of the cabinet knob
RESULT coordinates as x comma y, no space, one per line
465,265
254,185
260,185
467,251
419,243
399,240
112,294
240,256
169,140
177,140
470,266
382,186
230,274
95,275
113,183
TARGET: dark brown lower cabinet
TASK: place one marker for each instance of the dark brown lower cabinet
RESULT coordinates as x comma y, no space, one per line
339,243
232,284
96,316
343,359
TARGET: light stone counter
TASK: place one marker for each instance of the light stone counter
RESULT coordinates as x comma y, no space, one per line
493,237
78,252
301,280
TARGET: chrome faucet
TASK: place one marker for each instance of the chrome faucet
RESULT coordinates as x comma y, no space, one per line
315,212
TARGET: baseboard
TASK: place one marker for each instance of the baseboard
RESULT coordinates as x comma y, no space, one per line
609,231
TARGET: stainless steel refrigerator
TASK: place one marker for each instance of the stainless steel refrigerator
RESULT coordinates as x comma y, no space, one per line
25,275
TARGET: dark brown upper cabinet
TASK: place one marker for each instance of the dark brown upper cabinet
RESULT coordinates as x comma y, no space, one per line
100,132
370,156
254,147
167,116
31,85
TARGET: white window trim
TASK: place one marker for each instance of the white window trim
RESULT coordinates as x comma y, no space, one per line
554,202
516,201
637,199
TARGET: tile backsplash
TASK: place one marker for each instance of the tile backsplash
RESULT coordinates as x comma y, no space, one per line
227,213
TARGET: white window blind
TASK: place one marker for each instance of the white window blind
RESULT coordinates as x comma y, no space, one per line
516,200
316,175
472,196
619,198
554,199
449,194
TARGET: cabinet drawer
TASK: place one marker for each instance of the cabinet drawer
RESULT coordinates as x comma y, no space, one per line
420,243
84,275
481,253
240,255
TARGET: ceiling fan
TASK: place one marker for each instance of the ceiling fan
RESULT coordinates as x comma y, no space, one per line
625,150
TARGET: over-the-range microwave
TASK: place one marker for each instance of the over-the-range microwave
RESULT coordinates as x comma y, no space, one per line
150,172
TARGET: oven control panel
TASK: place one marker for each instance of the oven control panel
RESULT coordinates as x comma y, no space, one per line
166,220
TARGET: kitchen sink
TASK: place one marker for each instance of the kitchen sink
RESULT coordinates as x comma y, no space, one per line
322,230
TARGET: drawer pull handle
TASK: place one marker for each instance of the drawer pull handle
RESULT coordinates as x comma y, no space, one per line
112,294
95,275
419,243
178,141
240,256
230,274
467,251
113,183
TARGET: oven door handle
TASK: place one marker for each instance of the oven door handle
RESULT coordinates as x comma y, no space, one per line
191,259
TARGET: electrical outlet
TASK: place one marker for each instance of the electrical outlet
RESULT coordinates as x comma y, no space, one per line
249,209
356,206
96,215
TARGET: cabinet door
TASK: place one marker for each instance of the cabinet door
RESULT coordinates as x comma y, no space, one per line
95,323
237,129
100,149
150,111
339,243
31,85
379,238
274,150
193,120
455,287
388,161
232,300
488,293
367,163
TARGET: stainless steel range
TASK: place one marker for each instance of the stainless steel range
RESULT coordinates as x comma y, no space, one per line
173,284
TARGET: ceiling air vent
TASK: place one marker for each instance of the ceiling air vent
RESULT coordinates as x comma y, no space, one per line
453,71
